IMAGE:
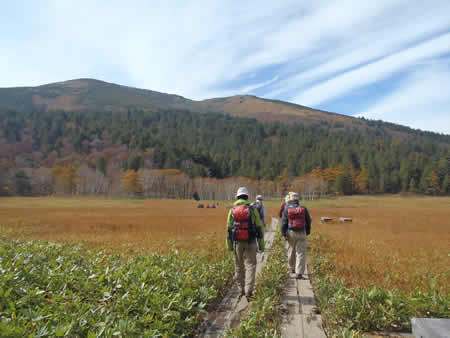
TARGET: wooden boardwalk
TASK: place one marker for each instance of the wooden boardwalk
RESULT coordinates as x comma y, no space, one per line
300,319
232,305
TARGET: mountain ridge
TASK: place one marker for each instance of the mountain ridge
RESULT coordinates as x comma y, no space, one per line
87,94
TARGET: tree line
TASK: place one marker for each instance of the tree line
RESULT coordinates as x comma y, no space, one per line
101,147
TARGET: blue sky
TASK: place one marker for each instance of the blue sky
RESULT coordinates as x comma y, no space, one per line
382,59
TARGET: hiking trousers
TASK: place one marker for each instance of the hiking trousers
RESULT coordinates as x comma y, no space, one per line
245,266
297,251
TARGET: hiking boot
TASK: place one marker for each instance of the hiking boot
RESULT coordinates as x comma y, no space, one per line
299,276
293,270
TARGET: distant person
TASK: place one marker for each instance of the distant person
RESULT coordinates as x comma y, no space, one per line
207,206
213,206
244,229
283,204
200,206
259,205
295,226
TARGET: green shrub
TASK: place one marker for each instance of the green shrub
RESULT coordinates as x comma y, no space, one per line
53,289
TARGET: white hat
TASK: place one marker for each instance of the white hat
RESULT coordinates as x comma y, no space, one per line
242,191
293,196
287,197
259,197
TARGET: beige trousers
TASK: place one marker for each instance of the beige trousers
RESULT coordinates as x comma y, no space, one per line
245,266
297,251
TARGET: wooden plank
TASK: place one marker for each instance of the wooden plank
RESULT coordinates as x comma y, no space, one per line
228,312
312,326
293,327
430,327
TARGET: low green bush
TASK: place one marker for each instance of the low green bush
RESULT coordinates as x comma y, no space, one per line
49,289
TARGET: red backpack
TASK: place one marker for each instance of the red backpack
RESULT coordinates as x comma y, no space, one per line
296,218
242,222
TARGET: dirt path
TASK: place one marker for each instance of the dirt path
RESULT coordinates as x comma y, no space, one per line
232,305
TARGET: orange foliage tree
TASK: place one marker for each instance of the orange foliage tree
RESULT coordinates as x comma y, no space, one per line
360,181
433,183
130,182
65,179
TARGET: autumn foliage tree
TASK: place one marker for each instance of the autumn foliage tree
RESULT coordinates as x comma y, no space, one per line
433,184
361,181
130,182
65,179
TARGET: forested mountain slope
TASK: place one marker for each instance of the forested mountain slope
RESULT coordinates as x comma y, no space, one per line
91,95
103,144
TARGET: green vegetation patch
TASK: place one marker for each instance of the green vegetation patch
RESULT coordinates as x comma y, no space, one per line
54,289
355,309
264,316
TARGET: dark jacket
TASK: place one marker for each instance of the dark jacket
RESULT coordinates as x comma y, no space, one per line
283,205
284,218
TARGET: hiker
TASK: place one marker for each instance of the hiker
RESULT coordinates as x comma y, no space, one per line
258,205
295,226
244,233
283,204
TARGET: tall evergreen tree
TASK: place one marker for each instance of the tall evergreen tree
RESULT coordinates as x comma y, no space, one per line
22,183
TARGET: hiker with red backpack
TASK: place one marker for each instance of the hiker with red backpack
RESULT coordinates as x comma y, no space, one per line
295,226
245,232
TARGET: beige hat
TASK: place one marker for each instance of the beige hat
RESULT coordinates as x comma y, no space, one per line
259,197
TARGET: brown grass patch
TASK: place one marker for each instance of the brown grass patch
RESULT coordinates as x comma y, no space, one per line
130,225
140,225
393,242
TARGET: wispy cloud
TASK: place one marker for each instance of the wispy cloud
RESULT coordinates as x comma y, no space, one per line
310,53
252,87
420,101
375,71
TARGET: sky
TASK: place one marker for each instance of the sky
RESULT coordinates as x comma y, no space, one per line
384,59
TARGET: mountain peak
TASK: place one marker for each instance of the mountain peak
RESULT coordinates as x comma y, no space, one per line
87,94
